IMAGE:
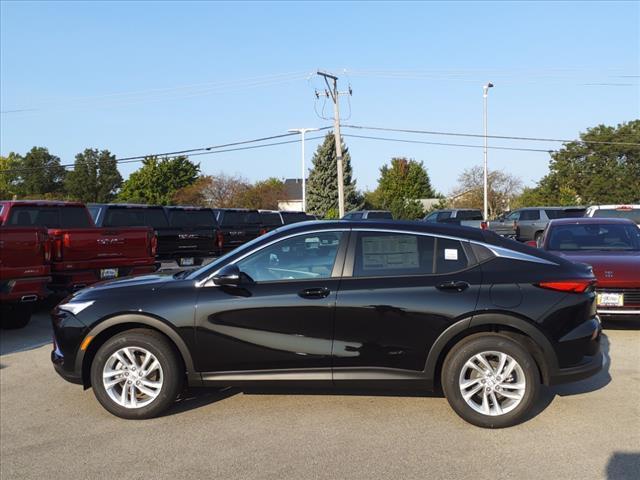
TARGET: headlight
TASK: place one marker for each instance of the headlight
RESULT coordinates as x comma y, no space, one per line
75,307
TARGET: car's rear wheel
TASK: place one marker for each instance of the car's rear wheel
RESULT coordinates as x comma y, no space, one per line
490,380
136,374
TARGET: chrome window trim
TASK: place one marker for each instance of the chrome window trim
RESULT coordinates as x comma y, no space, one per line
201,283
500,252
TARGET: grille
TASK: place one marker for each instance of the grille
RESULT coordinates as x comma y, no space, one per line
631,295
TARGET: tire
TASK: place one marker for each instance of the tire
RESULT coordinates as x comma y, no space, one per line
16,315
163,381
457,376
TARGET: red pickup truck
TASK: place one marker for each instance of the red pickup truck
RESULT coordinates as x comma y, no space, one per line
81,253
24,272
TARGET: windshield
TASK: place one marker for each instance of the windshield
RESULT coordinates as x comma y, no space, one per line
601,237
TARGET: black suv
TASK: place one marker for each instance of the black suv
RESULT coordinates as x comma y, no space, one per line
390,305
186,235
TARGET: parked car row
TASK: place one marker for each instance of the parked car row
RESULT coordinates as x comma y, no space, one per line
61,247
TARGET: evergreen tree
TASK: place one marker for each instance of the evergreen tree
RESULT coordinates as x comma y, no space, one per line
95,177
400,187
322,186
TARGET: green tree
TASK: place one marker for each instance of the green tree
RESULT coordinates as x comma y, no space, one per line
322,186
400,187
9,175
263,194
95,177
158,180
40,175
592,173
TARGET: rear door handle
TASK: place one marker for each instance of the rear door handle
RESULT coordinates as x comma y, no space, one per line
312,293
457,286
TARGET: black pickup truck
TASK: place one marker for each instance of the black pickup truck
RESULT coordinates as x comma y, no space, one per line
186,235
238,226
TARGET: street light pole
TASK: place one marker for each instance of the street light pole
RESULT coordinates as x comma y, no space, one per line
302,131
485,94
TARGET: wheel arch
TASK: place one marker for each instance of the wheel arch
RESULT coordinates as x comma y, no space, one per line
516,327
109,327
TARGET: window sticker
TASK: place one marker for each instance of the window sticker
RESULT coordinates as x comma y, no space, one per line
451,254
390,252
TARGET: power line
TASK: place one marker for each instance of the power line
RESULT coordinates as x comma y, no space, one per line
502,137
402,140
192,151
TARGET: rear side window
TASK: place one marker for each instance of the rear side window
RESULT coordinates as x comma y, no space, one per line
386,215
191,218
551,214
393,254
529,215
450,256
49,217
469,215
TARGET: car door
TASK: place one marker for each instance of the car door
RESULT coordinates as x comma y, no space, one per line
528,224
399,292
280,317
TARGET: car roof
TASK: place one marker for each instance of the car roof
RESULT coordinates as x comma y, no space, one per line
568,207
591,221
49,203
123,205
620,206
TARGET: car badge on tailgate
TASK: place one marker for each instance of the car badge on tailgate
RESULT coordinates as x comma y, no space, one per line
186,236
110,241
608,274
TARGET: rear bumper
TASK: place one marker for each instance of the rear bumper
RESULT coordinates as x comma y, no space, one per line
585,338
75,280
24,289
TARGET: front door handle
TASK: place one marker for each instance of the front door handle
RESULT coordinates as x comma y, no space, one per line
312,293
457,286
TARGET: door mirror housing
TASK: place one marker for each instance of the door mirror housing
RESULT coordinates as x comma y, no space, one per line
228,275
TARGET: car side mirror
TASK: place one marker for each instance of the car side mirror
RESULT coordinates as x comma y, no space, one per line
228,275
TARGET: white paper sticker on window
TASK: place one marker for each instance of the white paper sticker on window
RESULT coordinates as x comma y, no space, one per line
451,254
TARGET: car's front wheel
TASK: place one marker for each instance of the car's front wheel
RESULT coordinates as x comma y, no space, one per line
136,374
490,380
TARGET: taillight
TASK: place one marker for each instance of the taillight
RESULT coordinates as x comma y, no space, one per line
46,248
220,240
57,248
573,286
263,231
153,243
483,225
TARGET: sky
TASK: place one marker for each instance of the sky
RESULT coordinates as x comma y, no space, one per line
152,77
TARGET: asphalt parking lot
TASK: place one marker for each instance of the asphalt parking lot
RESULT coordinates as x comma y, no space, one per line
52,429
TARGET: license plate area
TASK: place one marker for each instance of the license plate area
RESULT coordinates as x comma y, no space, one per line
108,273
610,299
186,262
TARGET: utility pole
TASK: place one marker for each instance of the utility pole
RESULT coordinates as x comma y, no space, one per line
333,93
485,93
302,131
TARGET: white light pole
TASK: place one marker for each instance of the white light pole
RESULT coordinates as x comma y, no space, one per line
485,93
302,131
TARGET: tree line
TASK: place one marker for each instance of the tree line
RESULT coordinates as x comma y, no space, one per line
604,167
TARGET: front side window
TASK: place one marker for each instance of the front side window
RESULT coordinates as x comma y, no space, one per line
303,257
513,216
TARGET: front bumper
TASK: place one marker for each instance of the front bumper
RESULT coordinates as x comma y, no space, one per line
68,333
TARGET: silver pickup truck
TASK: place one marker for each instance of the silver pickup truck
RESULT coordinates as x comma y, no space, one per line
465,217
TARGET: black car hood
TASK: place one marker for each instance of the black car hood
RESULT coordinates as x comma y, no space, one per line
148,282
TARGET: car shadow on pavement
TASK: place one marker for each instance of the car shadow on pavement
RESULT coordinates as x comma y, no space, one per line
623,466
591,384
36,334
620,324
